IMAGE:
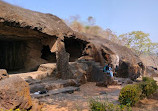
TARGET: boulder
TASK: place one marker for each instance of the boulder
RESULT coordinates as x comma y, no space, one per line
79,71
14,93
101,84
129,70
3,74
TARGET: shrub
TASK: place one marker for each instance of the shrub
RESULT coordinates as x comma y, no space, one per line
130,94
148,86
96,105
147,79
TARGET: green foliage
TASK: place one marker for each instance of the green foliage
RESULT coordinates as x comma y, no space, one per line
139,41
147,79
96,105
148,86
130,95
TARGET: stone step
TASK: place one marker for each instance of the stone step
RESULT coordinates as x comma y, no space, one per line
50,85
43,71
57,91
60,84
97,63
34,75
100,67
47,67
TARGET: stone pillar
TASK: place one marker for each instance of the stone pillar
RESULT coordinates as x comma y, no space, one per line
63,67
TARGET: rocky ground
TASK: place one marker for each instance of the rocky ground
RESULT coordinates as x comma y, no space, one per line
78,101
69,95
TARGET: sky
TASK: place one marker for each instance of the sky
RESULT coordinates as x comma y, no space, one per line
121,16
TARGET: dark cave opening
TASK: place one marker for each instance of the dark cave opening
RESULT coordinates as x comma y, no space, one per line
12,55
123,69
74,47
47,54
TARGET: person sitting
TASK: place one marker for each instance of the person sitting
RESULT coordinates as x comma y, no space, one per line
108,70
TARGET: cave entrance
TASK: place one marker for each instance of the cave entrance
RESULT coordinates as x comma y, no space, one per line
12,55
74,47
47,54
123,69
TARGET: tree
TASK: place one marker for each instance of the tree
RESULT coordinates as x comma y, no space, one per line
91,21
152,47
137,40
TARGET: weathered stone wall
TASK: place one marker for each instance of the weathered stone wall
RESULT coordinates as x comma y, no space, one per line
33,60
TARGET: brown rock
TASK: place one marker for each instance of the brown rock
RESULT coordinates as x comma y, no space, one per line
37,106
3,74
101,84
14,93
46,30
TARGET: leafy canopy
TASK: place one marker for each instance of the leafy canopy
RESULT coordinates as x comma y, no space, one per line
139,41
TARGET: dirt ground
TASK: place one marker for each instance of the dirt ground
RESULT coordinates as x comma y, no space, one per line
78,101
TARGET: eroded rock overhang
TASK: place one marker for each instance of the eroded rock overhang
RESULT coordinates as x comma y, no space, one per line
23,49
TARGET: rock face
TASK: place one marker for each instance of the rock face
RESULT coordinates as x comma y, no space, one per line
45,38
80,71
14,93
3,74
151,71
125,62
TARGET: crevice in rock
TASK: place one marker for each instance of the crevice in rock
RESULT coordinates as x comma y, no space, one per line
74,47
47,54
106,56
